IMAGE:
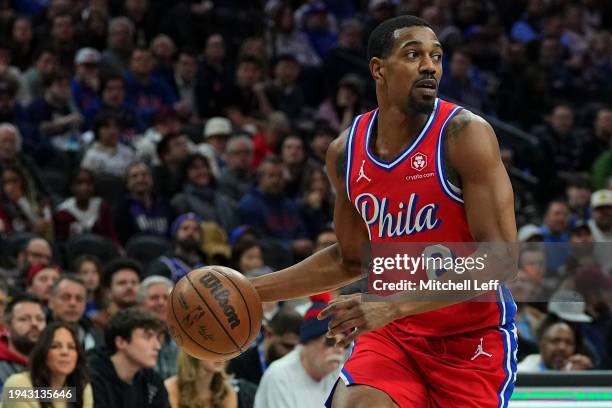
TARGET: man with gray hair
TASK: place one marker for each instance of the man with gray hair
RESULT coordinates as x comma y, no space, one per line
116,57
237,177
153,295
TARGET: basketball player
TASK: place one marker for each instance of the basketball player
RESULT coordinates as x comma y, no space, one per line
443,161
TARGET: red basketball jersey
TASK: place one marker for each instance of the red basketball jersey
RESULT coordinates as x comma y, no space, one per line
409,199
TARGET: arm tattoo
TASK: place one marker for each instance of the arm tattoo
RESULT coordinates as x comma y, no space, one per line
341,164
454,127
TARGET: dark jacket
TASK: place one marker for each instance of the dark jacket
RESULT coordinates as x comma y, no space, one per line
146,390
207,203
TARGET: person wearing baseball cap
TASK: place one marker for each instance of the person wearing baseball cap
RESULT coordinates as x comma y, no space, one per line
304,377
601,227
217,132
86,82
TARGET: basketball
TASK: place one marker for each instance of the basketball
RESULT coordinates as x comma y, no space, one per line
214,313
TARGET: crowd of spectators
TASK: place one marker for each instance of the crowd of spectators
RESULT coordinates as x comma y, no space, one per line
140,139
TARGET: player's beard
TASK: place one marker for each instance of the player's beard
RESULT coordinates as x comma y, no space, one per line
419,105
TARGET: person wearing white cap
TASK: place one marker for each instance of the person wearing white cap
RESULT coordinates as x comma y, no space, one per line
601,227
530,233
86,82
217,131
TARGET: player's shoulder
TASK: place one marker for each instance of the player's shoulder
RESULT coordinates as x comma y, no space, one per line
465,123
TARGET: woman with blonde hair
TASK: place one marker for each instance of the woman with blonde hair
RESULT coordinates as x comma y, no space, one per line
205,384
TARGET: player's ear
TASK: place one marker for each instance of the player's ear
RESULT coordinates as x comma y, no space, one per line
377,68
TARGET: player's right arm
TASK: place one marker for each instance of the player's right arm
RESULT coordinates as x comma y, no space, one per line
332,267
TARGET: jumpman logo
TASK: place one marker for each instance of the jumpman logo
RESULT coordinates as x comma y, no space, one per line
362,173
480,351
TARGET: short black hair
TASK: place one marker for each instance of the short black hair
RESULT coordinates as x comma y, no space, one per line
286,320
124,322
104,118
381,40
118,264
22,298
163,146
71,277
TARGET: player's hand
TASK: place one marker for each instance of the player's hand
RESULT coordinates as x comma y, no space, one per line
352,317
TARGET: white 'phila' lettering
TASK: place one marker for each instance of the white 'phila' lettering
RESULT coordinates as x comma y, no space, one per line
408,220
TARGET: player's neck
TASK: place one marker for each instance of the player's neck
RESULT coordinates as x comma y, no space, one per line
395,131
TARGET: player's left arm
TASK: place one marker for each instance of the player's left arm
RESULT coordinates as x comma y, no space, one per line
472,153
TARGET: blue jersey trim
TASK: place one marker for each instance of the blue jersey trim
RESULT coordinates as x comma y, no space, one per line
349,156
390,165
448,188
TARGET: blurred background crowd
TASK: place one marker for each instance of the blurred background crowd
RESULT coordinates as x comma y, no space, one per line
140,139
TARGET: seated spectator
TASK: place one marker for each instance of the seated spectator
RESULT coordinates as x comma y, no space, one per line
267,142
461,85
214,77
86,83
89,269
26,208
349,56
217,131
165,123
288,39
237,177
67,304
40,279
555,232
4,299
247,256
172,150
113,100
318,27
57,361
121,280
62,37
35,251
280,336
141,210
293,155
601,222
200,196
83,212
23,42
122,374
578,192
271,213
147,93
25,320
186,254
283,92
201,383
558,350
11,110
184,82
106,156
46,62
317,201
116,57
322,138
343,105
54,116
305,376
153,295
163,51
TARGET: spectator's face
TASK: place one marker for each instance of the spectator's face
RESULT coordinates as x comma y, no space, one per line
603,124
324,355
292,151
460,66
198,173
142,348
558,344
239,156
248,75
326,239
255,47
27,322
43,282
114,93
286,23
62,356
8,144
581,236
562,119
187,67
317,21
535,7
350,37
142,62
409,76
123,287
557,217
319,183
22,31
280,345
533,262
163,48
83,186
189,236
108,135
136,7
12,185
251,259
320,144
603,217
139,180
550,51
46,63
578,196
156,300
271,180
37,251
68,302
218,142
7,102
63,29
90,274
87,70
523,287
178,150
60,91
119,37
215,49
287,72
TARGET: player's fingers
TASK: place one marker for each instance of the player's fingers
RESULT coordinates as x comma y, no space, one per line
347,325
346,315
349,338
336,307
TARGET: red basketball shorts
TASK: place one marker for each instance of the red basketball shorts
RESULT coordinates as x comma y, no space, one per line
475,369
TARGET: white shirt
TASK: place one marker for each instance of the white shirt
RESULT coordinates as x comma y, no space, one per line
286,384
103,160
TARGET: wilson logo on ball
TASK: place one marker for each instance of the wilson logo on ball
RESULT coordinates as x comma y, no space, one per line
221,294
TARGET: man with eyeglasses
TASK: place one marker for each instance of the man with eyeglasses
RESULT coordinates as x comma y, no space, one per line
36,251
237,177
280,336
304,377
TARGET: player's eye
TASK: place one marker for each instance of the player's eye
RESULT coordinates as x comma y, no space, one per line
411,54
436,57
